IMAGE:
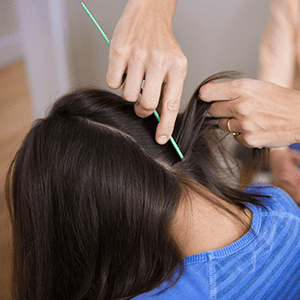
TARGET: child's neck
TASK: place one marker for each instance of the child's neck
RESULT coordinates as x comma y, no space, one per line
199,226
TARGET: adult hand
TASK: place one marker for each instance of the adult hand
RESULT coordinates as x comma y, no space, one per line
265,114
286,173
143,47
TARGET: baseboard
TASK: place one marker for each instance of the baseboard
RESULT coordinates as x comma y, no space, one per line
10,49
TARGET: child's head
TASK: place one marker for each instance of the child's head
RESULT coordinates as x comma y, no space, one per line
92,197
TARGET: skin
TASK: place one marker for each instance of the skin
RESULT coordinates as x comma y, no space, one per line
143,47
285,165
278,63
265,114
200,226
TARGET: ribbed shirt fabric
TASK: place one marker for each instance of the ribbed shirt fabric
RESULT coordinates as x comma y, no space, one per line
263,264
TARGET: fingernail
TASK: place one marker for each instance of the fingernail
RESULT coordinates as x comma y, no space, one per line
162,139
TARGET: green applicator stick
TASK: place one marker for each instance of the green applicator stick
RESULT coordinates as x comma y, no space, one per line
155,112
95,22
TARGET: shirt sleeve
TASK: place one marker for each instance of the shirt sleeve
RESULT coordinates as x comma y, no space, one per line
279,200
287,203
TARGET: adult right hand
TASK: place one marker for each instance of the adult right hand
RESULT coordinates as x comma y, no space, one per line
143,46
265,114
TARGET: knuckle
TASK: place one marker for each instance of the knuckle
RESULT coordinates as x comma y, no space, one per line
140,55
240,109
246,125
249,141
181,63
157,57
172,105
119,53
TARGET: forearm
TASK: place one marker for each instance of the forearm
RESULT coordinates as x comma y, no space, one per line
161,7
277,51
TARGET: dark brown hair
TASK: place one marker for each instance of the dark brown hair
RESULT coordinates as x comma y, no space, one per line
92,197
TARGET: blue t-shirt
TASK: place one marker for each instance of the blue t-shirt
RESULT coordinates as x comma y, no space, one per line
295,147
263,264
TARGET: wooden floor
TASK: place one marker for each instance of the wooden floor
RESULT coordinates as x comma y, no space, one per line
15,120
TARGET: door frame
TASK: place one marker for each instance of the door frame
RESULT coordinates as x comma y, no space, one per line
42,31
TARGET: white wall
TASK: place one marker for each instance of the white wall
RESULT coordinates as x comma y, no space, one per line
35,31
88,51
62,48
220,35
215,35
42,29
10,44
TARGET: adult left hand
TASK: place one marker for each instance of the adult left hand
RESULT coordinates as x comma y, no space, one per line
265,114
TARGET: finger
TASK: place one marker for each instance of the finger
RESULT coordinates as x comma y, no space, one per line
170,106
159,107
151,93
116,69
218,91
132,86
240,138
230,123
251,140
223,109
